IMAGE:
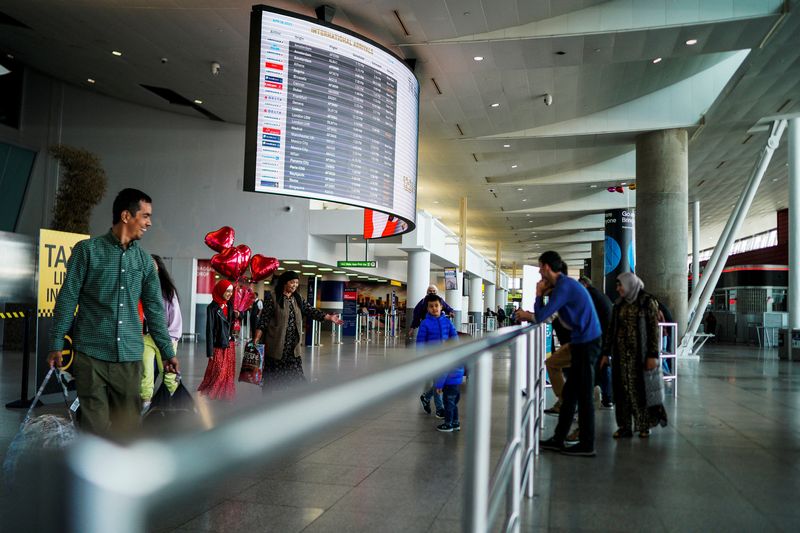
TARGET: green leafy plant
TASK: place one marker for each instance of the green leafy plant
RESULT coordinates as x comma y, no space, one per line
83,184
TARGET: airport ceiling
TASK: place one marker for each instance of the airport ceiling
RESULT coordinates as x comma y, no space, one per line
535,175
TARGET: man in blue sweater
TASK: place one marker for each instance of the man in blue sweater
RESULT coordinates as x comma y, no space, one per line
437,328
575,308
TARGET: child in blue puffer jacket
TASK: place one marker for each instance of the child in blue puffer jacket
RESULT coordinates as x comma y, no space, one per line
437,328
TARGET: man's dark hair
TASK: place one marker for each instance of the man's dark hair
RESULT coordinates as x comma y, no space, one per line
432,298
553,260
128,200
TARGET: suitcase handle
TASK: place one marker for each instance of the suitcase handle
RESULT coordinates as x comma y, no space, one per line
39,393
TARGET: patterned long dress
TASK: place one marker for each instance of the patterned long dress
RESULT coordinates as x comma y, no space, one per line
628,365
280,374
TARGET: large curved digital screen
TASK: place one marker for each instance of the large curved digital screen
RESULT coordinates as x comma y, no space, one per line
331,116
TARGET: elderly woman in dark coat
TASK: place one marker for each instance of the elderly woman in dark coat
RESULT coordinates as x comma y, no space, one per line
632,341
281,326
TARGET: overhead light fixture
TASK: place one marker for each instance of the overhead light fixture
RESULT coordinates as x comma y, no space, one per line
382,281
90,80
657,60
116,53
436,201
281,268
514,166
519,188
291,262
309,266
354,239
325,269
506,146
528,215
524,199
339,272
308,273
373,279
774,179
495,104
592,186
478,58
691,42
624,183
198,102
360,276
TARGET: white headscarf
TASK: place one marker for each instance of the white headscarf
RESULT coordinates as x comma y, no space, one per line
631,284
435,289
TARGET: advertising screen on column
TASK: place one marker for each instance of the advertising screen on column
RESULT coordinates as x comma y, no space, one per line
331,116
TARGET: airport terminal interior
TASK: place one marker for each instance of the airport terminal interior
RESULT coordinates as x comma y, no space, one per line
377,152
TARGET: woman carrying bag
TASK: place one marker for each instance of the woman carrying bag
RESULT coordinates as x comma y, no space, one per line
219,379
632,341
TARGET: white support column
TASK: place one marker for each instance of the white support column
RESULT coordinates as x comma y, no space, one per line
490,296
695,244
476,308
793,298
454,299
419,275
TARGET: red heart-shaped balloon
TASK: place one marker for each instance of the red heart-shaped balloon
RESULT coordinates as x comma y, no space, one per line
262,267
243,298
220,239
231,262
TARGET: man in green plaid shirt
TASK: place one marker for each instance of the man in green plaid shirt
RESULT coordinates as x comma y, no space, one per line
107,277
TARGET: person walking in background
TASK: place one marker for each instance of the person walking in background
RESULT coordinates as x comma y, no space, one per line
501,316
218,382
421,308
602,306
437,328
151,355
281,326
106,278
255,312
632,343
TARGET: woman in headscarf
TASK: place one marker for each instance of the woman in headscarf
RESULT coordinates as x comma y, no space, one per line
281,326
218,382
632,341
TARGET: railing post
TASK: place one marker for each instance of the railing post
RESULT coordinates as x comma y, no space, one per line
533,396
479,409
514,429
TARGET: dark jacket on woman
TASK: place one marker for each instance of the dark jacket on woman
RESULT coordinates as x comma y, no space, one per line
274,324
218,327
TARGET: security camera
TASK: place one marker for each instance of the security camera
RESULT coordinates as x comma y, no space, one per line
548,99
491,190
164,60
215,68
288,208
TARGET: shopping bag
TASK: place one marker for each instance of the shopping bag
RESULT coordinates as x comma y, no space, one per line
251,365
654,386
178,406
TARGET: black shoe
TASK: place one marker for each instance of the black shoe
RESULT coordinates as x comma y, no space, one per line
426,404
439,414
444,428
607,406
579,450
456,426
551,444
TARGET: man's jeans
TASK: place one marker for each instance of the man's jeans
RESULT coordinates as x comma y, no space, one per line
437,398
579,390
603,380
451,394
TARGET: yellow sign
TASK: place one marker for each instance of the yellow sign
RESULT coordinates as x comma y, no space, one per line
55,249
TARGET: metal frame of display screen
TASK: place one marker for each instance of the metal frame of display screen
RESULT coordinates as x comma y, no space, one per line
331,115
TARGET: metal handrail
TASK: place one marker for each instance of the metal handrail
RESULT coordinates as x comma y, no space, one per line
113,491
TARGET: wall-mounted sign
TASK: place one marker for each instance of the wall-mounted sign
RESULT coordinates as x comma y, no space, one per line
450,279
357,264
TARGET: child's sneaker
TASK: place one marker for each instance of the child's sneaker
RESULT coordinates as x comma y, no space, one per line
426,404
444,428
439,414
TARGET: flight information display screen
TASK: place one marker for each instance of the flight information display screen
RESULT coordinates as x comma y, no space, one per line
331,116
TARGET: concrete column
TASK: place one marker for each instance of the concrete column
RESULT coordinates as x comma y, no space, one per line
500,298
598,273
418,277
454,298
476,308
489,297
695,244
662,202
793,298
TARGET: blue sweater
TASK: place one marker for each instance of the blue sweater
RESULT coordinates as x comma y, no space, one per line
575,309
439,329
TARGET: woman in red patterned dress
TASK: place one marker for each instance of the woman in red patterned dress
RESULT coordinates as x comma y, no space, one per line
218,382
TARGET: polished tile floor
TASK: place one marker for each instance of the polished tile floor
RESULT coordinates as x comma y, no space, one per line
728,461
